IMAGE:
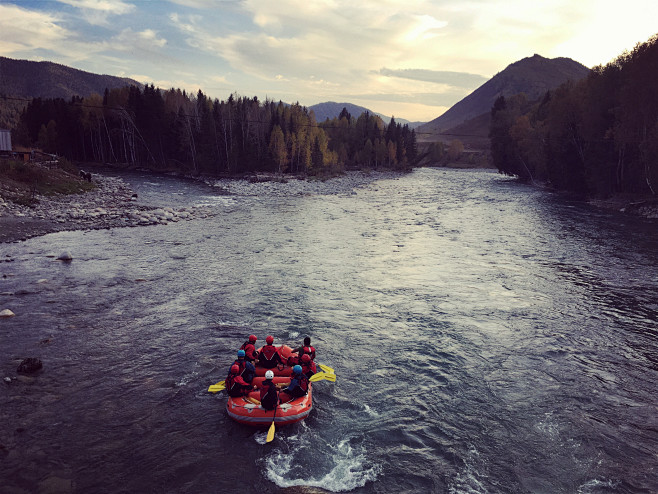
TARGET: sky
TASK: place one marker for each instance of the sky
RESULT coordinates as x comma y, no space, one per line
412,59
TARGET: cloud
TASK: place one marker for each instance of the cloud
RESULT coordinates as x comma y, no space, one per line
114,7
445,99
312,40
459,79
129,40
204,4
97,12
23,30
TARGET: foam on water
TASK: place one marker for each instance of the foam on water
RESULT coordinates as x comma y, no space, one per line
596,486
186,379
348,467
467,481
260,437
214,201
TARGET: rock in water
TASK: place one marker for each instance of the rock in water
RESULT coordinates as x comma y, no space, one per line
65,256
7,313
29,365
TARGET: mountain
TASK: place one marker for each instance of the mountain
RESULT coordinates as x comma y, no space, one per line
51,80
533,76
330,110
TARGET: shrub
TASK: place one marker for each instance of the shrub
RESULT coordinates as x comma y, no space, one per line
5,167
67,166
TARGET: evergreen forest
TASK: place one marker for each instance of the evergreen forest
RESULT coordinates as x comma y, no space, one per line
596,137
174,131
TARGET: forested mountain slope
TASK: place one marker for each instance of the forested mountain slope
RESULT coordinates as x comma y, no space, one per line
533,76
27,79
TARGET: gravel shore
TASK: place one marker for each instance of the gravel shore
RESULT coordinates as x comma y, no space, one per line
112,204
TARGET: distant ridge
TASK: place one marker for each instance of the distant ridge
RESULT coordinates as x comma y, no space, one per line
330,110
51,80
533,76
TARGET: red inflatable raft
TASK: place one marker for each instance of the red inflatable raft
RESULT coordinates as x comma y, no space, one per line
246,410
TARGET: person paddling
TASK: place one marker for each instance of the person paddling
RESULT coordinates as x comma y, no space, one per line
305,348
298,385
269,356
235,385
249,348
308,366
269,395
247,369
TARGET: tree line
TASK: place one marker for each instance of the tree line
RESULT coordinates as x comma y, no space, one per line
172,130
596,137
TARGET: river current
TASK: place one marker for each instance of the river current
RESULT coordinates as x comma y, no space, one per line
487,337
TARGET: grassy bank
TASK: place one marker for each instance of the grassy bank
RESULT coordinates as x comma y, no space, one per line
22,183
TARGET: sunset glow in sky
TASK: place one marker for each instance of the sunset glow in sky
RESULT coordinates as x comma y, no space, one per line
412,59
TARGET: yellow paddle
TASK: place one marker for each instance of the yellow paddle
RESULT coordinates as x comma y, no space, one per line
270,433
215,388
326,368
323,375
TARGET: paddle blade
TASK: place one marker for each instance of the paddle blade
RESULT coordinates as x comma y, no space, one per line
270,433
215,388
326,368
322,375
317,377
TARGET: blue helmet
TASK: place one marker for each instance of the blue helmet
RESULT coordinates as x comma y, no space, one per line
297,369
241,353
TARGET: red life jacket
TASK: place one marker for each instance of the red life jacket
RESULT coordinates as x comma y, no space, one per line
309,350
235,385
269,357
303,382
249,350
268,352
309,369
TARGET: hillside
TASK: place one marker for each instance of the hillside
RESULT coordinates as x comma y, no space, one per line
330,110
533,76
27,79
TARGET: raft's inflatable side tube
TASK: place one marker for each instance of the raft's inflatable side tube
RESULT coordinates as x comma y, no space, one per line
248,413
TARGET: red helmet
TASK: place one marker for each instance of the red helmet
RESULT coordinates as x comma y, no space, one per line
235,368
306,358
252,338
269,339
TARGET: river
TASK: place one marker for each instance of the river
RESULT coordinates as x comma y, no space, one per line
487,337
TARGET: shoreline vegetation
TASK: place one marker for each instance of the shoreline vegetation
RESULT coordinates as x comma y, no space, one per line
171,130
597,137
48,197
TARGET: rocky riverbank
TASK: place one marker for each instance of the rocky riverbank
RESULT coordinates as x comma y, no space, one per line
275,185
111,204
